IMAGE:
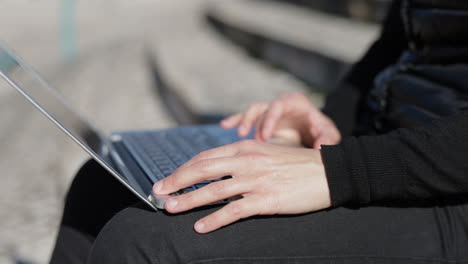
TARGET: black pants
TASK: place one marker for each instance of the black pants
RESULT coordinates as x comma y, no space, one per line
105,223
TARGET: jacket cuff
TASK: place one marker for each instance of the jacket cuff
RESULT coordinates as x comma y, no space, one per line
364,170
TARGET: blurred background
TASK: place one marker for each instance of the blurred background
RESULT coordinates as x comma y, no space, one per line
148,64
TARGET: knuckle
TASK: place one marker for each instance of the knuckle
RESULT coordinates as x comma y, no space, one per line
188,200
172,181
204,165
246,143
277,103
231,116
263,107
298,95
249,108
235,209
277,108
252,156
249,116
217,188
202,155
253,107
247,146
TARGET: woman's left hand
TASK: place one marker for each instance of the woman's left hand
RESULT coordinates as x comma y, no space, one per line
271,179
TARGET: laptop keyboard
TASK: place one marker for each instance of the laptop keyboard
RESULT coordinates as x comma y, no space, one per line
161,152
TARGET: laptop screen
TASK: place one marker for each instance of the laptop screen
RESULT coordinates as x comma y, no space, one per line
49,101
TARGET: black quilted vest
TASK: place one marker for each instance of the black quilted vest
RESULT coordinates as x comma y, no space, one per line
430,80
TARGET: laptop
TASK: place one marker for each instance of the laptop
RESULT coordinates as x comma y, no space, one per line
137,159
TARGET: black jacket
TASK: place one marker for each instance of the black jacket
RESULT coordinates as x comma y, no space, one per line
406,101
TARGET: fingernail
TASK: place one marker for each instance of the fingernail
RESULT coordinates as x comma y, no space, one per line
157,188
199,227
171,203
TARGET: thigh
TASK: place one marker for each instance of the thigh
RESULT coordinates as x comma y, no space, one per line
367,235
94,197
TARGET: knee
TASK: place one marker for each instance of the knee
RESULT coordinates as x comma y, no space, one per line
135,235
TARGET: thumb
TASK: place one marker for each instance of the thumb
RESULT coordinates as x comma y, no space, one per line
320,140
312,124
317,144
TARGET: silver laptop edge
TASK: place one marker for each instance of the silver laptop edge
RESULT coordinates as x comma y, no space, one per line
106,147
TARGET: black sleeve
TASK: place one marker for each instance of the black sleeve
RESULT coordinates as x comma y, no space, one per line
342,105
405,165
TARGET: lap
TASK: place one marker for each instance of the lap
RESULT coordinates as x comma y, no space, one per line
139,235
366,235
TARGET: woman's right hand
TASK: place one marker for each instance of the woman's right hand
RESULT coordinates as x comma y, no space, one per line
291,118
